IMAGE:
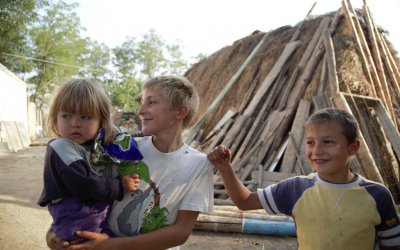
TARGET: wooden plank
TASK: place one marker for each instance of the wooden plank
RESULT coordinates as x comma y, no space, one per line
308,62
239,137
262,215
297,131
320,101
249,94
377,60
13,137
364,155
252,134
388,64
23,134
225,90
5,137
302,165
285,94
322,79
265,141
269,178
357,38
356,166
217,139
302,82
228,115
331,63
287,52
268,137
247,147
389,128
296,33
392,62
277,157
359,99
238,125
385,158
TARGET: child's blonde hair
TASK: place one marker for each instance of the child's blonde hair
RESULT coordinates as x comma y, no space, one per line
81,96
180,92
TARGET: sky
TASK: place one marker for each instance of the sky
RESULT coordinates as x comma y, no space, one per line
207,26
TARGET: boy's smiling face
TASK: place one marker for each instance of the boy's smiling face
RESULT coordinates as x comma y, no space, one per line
328,151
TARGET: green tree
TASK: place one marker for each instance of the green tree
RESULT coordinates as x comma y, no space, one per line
96,61
16,16
123,94
149,56
42,41
57,48
139,59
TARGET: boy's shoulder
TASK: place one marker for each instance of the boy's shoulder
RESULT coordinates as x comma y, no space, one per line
61,142
67,150
374,187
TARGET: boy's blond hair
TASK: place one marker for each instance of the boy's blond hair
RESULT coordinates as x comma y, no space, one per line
81,96
342,118
180,92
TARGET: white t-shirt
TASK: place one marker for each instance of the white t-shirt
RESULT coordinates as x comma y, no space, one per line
183,178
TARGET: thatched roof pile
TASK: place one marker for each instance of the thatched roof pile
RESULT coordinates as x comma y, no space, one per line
257,93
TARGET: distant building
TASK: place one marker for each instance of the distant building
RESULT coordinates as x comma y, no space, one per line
18,124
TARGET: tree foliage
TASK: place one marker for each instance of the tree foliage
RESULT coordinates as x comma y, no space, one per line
15,19
44,43
57,45
138,59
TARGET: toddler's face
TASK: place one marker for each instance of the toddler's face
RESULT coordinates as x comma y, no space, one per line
77,127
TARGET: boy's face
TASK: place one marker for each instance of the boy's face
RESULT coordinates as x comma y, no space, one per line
328,151
77,127
157,114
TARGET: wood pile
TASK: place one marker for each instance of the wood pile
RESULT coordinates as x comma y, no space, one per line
257,93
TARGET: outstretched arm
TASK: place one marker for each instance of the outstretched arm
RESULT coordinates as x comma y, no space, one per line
220,157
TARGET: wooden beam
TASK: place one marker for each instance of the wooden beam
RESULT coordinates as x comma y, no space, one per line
297,131
331,63
221,95
367,161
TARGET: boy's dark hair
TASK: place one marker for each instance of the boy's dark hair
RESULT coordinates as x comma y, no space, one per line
340,117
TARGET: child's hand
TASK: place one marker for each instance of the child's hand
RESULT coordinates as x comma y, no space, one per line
220,157
130,182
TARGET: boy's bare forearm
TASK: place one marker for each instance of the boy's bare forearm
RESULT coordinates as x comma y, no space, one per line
220,157
234,187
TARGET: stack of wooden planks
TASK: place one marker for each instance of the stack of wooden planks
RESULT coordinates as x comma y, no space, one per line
257,94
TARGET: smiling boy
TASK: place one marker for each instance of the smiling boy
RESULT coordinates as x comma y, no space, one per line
333,207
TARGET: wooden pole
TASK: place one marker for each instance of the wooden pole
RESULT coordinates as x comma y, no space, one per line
357,38
367,161
378,62
331,63
221,95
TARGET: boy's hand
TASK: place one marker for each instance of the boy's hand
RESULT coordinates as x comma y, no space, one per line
130,182
55,242
94,239
220,157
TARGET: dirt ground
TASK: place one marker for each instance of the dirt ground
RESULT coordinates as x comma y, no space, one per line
23,224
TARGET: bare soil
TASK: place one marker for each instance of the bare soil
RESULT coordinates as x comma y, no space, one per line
23,224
